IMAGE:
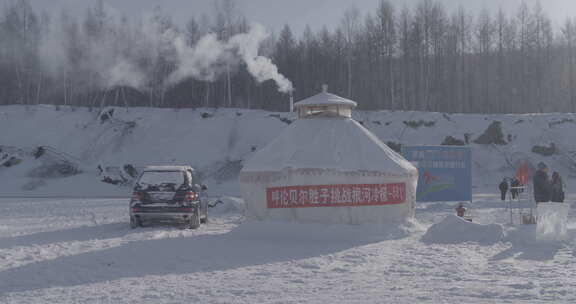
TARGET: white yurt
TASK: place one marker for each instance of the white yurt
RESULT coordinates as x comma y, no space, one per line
327,168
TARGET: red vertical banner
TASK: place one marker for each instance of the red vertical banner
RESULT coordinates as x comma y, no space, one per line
522,174
335,195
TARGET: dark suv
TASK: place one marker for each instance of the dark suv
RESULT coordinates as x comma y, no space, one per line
168,194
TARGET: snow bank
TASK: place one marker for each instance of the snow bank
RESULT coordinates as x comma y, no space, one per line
155,137
20,180
552,221
210,140
455,230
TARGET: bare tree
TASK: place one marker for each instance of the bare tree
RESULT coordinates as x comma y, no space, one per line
485,31
227,17
569,35
387,43
416,58
350,28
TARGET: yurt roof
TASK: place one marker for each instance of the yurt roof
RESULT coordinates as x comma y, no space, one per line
328,143
325,98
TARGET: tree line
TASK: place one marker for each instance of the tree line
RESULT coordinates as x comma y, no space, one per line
393,58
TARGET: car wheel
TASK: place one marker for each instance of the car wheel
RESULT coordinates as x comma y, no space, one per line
204,220
194,220
135,222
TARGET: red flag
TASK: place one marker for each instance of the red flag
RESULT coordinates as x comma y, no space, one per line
522,174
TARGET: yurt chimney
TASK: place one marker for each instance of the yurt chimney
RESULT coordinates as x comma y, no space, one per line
292,100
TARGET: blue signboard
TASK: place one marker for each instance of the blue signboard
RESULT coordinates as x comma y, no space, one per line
445,172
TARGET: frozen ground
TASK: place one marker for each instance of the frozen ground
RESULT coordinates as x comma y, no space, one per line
82,251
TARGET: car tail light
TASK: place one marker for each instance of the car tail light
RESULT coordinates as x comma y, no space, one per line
135,209
191,196
187,209
136,196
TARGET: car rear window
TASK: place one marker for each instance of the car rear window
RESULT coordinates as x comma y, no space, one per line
161,180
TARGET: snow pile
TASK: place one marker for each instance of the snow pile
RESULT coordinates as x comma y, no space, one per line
552,221
455,230
226,205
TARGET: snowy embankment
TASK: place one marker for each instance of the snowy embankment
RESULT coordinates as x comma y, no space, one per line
216,142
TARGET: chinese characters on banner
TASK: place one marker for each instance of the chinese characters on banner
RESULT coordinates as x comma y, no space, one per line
335,195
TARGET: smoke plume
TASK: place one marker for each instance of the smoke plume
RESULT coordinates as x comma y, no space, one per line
260,67
210,56
124,73
129,58
203,61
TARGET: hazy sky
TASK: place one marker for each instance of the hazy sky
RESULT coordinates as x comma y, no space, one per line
275,13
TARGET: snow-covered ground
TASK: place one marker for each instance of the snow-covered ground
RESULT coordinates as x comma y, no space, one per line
82,251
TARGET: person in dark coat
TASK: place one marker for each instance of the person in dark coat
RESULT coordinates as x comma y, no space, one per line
514,188
130,170
460,210
39,152
542,188
557,191
503,189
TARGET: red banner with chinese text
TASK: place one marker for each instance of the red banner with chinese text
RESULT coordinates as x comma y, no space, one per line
335,195
522,174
